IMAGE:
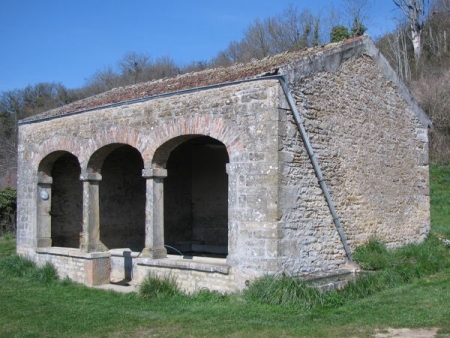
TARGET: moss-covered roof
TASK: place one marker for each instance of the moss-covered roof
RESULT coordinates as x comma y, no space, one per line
253,69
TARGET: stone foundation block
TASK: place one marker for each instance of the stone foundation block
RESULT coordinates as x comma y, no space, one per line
97,271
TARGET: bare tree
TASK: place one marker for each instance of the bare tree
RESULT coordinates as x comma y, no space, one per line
357,13
414,10
164,66
257,38
232,54
398,45
292,30
133,65
436,31
333,17
103,80
19,104
441,5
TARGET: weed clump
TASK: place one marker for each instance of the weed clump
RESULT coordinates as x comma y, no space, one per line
154,287
373,255
46,274
286,291
387,269
21,267
16,266
408,262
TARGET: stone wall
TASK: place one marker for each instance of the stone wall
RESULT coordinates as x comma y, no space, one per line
89,269
373,150
67,266
190,280
310,242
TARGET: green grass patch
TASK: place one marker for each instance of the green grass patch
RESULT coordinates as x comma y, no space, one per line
388,269
440,200
372,256
20,267
35,308
408,287
7,244
285,291
156,287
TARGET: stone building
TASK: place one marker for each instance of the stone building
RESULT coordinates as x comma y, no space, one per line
283,165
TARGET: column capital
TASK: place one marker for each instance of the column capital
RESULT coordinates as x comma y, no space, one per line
44,179
90,176
154,172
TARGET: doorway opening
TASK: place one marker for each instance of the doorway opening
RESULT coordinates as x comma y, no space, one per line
196,199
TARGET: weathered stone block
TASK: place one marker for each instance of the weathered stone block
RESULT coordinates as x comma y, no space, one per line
97,271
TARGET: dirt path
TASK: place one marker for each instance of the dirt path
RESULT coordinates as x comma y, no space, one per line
407,333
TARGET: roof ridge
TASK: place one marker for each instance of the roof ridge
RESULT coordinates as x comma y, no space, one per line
206,77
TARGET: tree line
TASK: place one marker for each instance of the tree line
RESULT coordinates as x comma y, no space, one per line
418,49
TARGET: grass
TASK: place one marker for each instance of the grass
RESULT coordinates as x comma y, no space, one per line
34,309
7,245
393,269
440,200
411,289
153,287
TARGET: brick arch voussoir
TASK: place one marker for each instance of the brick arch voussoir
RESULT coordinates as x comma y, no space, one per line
114,135
57,144
220,129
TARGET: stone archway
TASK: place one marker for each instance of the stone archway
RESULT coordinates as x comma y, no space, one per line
196,198
117,197
60,201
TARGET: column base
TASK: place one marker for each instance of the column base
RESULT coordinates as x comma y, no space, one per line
99,247
44,242
154,253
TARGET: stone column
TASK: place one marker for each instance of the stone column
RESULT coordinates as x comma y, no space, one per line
44,218
91,212
154,213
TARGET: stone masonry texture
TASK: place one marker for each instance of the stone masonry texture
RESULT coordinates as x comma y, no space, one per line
266,210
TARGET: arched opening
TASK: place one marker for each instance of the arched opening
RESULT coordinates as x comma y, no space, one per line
60,201
121,197
196,198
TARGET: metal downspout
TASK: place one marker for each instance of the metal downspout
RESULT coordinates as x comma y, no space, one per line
316,166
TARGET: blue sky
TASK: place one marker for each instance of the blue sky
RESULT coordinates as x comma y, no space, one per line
67,41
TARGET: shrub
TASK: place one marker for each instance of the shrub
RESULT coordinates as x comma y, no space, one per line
339,33
433,93
7,210
154,287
